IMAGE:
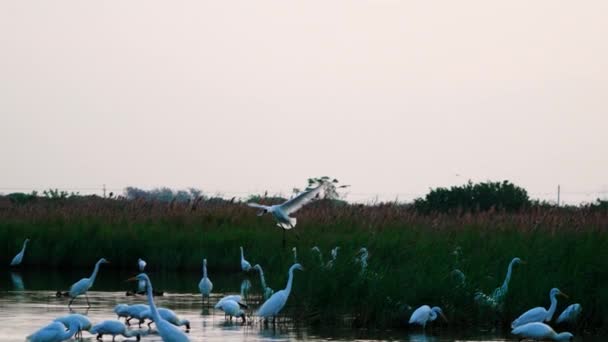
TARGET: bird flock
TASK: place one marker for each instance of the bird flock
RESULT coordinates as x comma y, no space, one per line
532,324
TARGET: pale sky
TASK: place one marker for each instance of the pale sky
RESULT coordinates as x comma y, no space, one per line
391,97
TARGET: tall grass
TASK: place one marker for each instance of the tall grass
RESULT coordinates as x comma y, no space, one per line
411,256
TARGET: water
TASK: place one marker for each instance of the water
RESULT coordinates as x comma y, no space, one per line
28,302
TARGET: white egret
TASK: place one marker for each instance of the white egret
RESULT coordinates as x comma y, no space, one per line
141,264
205,285
83,322
83,285
425,314
496,300
334,256
114,328
539,314
540,331
136,311
282,211
277,301
122,310
54,332
295,255
318,251
570,314
245,265
19,257
245,287
169,316
266,290
362,258
231,308
166,330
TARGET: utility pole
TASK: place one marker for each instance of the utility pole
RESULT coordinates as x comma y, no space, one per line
558,191
104,192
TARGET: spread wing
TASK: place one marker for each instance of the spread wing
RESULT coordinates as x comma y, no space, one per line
301,200
255,205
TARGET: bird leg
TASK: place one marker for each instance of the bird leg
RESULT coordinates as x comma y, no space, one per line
71,300
87,298
99,336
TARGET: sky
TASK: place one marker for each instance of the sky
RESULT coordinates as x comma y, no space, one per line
238,97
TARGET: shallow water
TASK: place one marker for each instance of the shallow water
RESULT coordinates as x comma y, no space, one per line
28,302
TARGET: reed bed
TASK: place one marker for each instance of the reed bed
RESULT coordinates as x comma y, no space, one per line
412,256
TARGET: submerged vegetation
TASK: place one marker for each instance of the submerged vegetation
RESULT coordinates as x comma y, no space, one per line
412,253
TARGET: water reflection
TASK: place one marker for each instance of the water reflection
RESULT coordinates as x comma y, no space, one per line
17,281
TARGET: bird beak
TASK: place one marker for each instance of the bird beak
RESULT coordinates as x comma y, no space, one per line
131,279
564,295
444,318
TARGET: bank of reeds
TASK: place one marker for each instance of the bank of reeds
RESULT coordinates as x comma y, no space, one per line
412,256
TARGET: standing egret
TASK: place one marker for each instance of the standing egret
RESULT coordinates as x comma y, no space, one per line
540,331
539,314
277,301
54,332
19,257
205,285
83,285
334,256
231,308
425,314
245,265
141,286
113,327
167,331
266,290
362,258
281,212
83,322
570,314
245,287
136,311
169,316
318,251
295,255
496,300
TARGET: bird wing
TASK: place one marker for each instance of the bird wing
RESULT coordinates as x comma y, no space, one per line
533,315
301,200
79,287
256,205
420,315
273,305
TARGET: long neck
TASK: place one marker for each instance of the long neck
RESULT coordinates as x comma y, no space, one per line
262,280
289,282
295,255
433,315
204,270
94,274
505,284
24,245
551,308
153,310
242,256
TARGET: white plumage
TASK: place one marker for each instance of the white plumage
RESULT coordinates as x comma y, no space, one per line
267,291
231,308
19,257
570,314
83,322
540,331
114,328
539,314
83,285
245,265
277,301
141,264
54,332
425,314
169,316
205,285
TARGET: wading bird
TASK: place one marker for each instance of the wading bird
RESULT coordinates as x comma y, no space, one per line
425,314
205,285
281,212
54,332
83,322
318,251
114,328
570,314
362,258
83,285
136,311
19,257
334,256
266,290
295,255
169,316
539,314
231,308
540,331
277,301
167,331
497,299
245,265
